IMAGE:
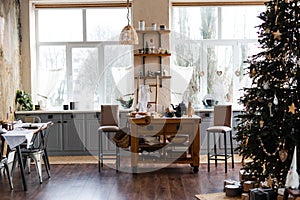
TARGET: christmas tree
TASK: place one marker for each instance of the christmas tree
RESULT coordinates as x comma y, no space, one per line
269,129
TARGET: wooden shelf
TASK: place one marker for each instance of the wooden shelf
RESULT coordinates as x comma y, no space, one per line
150,30
153,77
152,54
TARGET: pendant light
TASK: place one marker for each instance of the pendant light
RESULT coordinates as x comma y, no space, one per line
128,35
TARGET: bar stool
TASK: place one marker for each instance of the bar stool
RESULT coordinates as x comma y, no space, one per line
109,123
222,125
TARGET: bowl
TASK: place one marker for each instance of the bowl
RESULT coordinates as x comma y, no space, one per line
126,103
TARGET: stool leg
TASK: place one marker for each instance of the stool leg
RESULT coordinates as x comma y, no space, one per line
215,150
231,146
225,146
208,149
117,158
100,147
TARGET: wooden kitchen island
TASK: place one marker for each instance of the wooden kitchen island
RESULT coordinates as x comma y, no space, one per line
172,140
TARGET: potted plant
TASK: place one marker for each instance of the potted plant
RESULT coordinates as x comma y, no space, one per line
126,103
23,100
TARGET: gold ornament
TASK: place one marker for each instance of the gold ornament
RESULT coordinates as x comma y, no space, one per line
261,123
277,35
292,108
252,72
283,154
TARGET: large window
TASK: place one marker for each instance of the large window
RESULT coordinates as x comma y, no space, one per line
214,41
78,57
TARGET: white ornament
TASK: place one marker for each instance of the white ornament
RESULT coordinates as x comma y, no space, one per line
292,178
266,85
275,101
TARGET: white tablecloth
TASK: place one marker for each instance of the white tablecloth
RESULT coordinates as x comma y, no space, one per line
20,134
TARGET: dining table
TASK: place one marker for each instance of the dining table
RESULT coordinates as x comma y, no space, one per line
20,134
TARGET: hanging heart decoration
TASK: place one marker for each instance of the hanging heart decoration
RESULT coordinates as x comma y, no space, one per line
283,154
219,73
237,73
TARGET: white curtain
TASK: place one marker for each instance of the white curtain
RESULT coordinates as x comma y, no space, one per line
123,77
180,80
48,81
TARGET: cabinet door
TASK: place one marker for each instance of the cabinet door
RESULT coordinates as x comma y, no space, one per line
73,128
55,132
206,121
92,125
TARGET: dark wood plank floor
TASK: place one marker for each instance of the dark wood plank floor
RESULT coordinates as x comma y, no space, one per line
83,181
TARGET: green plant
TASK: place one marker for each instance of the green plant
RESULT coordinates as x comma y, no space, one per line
23,100
125,103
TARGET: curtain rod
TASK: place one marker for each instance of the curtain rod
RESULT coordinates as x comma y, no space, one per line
79,5
215,3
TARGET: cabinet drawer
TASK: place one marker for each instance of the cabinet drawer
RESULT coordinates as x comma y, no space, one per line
72,116
182,128
93,116
50,117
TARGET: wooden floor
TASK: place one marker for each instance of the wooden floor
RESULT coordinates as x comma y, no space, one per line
83,181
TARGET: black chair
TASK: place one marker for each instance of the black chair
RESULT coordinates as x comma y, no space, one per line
4,162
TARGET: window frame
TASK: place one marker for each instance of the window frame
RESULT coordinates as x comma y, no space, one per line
100,45
204,43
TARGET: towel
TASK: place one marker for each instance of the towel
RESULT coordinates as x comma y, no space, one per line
144,98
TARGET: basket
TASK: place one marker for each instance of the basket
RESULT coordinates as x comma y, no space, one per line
122,139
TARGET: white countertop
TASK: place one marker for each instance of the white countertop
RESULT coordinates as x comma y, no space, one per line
93,111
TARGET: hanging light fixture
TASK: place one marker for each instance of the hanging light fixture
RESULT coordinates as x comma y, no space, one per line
128,35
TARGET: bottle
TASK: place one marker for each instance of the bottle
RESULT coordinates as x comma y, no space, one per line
190,110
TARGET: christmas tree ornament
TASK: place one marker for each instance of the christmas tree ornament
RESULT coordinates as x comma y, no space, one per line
266,85
283,153
275,101
219,73
292,108
292,178
277,35
286,85
237,73
270,109
252,73
261,123
202,73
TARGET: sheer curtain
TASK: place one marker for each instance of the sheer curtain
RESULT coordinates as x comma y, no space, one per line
123,77
181,77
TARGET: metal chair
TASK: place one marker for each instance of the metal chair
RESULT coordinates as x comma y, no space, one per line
222,125
109,123
38,149
4,162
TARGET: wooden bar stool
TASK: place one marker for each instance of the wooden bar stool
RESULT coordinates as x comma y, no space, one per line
222,125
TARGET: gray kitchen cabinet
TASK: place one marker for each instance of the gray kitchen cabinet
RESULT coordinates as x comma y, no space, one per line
73,132
92,124
206,121
55,132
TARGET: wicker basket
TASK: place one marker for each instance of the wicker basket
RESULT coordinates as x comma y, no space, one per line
122,139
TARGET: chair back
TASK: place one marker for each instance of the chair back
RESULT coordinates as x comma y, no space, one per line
109,115
222,115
